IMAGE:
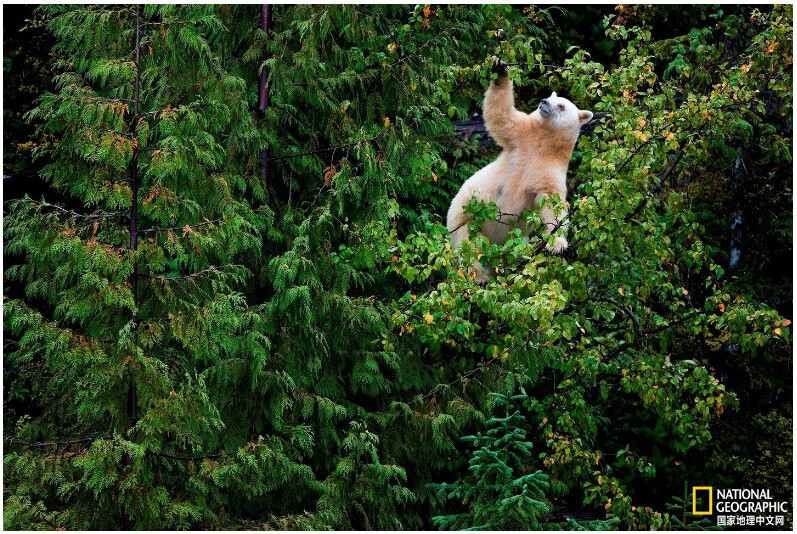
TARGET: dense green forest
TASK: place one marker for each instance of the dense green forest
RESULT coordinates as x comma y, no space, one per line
230,300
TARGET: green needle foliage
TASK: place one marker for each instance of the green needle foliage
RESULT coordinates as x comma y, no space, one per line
136,347
682,517
253,318
496,493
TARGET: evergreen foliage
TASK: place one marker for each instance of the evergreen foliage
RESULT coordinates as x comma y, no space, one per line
204,338
682,517
142,343
494,495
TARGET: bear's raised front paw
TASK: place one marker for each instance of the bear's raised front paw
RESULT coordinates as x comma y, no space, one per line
559,245
500,68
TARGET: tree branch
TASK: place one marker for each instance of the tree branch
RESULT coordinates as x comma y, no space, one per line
66,442
625,309
199,274
461,377
91,217
185,458
176,228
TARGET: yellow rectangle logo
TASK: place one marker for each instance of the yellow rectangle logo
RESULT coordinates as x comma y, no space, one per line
702,500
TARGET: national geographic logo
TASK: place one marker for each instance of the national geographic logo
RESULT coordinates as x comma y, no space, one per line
739,507
702,500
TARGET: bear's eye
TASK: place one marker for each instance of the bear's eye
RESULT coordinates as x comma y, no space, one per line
561,107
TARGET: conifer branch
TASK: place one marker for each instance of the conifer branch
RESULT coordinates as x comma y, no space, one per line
106,130
177,228
91,217
167,23
199,274
185,458
39,444
96,99
163,110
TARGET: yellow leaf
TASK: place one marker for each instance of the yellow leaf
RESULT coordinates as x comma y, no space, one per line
777,331
387,122
429,318
600,479
621,291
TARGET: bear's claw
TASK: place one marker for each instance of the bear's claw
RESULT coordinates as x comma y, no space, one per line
559,245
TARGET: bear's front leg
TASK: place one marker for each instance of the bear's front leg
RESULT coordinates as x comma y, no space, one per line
502,120
554,221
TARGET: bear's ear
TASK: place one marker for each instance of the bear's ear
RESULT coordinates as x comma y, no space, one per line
553,95
584,116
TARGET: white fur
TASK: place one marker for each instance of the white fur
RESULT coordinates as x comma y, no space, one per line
537,148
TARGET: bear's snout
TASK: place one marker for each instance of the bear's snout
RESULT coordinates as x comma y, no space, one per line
545,107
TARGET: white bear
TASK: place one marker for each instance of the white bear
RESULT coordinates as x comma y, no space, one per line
537,148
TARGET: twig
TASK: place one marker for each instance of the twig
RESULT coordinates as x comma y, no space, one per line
498,220
185,458
74,214
461,377
199,274
176,228
627,310
66,442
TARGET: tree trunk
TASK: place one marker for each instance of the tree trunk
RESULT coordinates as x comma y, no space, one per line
132,398
263,95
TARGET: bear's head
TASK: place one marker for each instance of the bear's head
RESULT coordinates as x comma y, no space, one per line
561,114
